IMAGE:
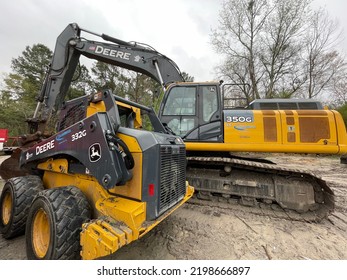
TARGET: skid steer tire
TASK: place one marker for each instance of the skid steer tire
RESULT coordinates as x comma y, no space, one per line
54,224
16,198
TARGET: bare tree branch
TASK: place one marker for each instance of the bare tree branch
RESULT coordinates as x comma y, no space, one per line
280,48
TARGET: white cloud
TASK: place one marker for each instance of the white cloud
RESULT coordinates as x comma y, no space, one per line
179,29
166,25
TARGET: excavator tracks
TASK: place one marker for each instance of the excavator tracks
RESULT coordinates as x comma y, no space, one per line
268,189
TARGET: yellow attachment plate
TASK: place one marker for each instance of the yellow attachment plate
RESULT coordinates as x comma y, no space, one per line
102,237
123,223
131,212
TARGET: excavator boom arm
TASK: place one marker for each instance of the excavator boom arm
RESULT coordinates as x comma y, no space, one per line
70,46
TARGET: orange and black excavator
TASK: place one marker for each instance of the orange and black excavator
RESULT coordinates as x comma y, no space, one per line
216,128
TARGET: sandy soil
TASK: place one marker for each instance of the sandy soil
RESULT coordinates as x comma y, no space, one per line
212,232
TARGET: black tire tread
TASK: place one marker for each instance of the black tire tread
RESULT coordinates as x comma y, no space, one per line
70,210
24,190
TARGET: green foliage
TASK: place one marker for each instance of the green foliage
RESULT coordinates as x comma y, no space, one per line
106,76
81,83
21,87
124,83
17,103
33,62
187,77
11,116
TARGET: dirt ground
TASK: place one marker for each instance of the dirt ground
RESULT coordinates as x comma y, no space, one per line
197,232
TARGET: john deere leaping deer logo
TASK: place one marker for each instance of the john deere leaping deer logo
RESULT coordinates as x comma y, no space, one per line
94,152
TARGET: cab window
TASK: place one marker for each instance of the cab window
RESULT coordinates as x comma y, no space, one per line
181,101
209,102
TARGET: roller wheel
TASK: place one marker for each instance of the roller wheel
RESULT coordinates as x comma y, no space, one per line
54,224
16,198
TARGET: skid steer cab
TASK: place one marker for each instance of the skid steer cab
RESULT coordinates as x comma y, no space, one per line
96,185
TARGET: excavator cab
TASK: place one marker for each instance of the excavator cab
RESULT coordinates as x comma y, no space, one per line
193,111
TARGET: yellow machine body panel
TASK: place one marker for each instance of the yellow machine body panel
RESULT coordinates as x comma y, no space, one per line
297,131
95,108
104,236
131,188
117,220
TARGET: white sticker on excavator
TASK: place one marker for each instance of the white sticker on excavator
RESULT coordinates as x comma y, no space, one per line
238,116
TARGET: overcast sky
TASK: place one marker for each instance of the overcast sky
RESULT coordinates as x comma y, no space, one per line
180,29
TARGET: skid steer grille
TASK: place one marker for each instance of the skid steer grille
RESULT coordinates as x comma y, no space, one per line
172,176
73,115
